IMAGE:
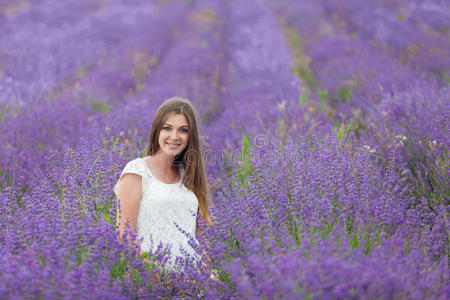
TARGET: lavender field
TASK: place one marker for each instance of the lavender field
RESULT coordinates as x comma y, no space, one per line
324,126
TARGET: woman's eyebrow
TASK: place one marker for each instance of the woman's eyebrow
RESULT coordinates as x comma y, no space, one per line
172,125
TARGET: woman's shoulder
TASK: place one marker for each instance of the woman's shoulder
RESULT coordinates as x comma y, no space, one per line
137,160
136,165
132,167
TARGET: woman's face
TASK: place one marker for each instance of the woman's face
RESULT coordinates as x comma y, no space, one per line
174,134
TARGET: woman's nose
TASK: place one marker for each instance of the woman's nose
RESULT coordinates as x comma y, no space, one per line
174,134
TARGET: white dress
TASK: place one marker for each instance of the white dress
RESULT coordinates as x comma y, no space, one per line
165,211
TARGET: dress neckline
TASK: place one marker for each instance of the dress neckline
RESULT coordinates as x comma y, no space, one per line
148,168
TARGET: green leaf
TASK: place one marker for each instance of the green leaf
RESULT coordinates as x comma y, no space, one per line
3,112
354,241
244,148
306,116
245,167
344,93
341,131
100,106
323,95
303,99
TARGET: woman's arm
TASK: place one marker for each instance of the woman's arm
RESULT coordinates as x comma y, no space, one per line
129,194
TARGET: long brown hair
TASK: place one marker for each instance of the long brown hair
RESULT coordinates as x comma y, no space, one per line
191,157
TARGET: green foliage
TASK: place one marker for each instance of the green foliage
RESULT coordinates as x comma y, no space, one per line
225,277
303,99
103,209
301,61
212,106
101,106
294,229
42,260
282,130
121,268
232,244
81,71
118,269
342,130
367,242
354,241
356,124
429,168
3,112
324,99
19,199
406,246
245,169
344,93
306,116
322,94
339,131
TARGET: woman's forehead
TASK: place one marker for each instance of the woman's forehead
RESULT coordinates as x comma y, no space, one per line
176,119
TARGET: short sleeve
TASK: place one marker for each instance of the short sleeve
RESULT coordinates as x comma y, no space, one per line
133,167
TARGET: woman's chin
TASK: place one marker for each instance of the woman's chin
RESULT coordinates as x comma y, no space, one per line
171,152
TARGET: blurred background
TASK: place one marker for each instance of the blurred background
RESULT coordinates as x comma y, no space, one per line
324,123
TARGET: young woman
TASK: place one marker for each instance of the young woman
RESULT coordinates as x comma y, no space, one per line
161,193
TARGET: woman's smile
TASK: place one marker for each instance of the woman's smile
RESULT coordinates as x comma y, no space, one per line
173,145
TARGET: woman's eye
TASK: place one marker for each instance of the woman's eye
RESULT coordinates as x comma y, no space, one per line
166,128
184,130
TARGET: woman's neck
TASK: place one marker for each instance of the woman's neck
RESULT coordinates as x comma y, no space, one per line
163,162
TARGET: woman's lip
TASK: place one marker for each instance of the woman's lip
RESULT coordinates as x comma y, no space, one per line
173,145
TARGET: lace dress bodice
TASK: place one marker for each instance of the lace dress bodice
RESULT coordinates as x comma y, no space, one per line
165,211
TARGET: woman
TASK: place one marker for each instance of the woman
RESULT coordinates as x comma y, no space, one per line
161,193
